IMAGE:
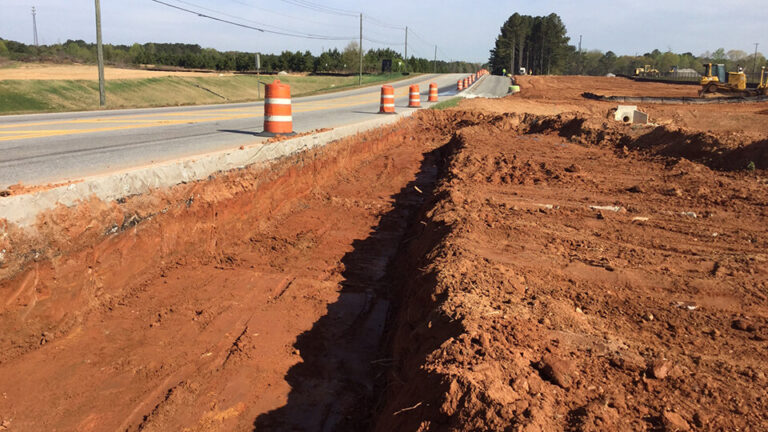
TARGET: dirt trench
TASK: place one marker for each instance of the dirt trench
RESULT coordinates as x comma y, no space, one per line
335,291
254,300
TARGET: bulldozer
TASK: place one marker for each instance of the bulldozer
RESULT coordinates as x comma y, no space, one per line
714,83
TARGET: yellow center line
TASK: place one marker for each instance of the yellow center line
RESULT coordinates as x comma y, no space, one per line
138,122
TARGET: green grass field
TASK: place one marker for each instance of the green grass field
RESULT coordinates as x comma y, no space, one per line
33,96
448,103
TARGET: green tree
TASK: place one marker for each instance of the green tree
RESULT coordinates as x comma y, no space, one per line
535,43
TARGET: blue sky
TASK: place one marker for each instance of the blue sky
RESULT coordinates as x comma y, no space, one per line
462,29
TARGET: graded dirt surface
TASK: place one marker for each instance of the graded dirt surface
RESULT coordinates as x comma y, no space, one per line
559,94
522,264
46,71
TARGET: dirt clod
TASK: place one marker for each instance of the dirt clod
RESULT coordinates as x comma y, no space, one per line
743,325
674,422
660,369
557,370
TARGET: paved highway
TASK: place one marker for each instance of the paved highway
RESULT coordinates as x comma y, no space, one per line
43,148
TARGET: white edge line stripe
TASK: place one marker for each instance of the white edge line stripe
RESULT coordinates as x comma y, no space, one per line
280,101
278,118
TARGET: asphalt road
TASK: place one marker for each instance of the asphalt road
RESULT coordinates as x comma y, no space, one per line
44,148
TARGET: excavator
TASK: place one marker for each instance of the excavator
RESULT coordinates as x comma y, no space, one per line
714,83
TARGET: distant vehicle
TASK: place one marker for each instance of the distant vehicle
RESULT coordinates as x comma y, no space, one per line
647,71
715,83
522,71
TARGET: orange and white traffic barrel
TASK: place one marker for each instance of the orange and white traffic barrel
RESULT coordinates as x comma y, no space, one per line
432,92
277,109
466,82
387,100
460,85
414,100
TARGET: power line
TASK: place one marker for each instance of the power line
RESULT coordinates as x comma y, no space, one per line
383,24
303,20
259,29
424,41
267,28
246,19
381,41
322,8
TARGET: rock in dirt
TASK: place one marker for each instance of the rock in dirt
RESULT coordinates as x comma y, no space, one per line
660,369
636,189
674,422
627,360
573,168
743,325
557,371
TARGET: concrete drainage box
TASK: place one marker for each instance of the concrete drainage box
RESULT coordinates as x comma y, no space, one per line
630,114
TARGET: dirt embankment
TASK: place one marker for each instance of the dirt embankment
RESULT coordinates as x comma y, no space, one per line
215,305
565,273
562,286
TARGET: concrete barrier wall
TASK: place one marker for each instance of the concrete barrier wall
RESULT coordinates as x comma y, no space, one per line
22,210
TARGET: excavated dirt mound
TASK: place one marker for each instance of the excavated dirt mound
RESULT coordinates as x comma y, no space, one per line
557,286
507,265
549,95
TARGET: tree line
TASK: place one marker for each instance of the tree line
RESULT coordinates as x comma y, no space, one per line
193,56
599,63
536,43
539,44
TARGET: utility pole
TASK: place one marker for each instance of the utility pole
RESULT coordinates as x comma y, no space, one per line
434,68
100,57
581,62
406,49
258,76
754,65
34,25
360,78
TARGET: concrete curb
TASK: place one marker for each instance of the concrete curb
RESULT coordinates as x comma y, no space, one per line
467,92
22,210
475,90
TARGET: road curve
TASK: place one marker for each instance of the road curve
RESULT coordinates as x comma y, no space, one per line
44,148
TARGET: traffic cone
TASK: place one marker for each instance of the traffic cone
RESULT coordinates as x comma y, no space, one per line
278,118
432,92
414,100
387,100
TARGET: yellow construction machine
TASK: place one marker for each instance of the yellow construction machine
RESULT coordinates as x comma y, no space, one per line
647,71
714,83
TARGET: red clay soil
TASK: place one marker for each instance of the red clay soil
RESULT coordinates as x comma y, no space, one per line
560,94
561,286
249,301
21,189
507,265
